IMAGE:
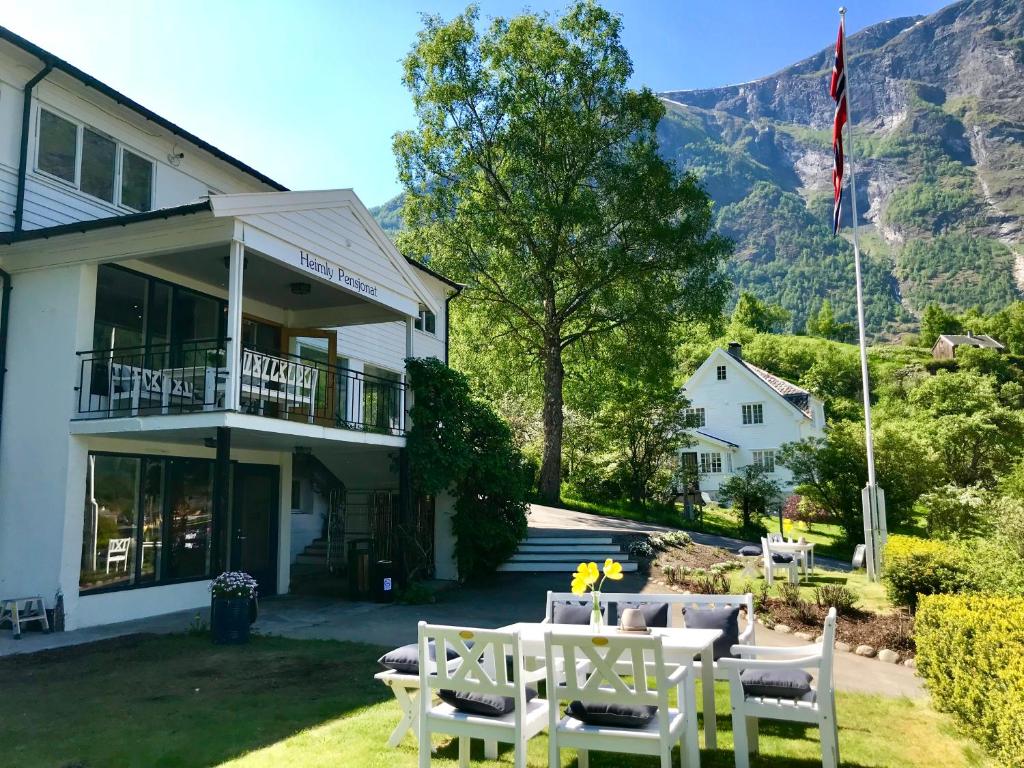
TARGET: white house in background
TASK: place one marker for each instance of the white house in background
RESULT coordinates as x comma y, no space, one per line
743,415
203,370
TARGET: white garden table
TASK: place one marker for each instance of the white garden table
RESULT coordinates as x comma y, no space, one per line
796,548
682,646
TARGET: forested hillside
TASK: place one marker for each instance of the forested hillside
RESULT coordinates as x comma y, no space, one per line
939,104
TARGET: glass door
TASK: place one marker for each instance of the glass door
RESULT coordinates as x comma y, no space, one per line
315,352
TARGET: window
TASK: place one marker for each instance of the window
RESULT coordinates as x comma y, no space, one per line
96,164
753,413
766,459
296,495
58,146
99,165
695,416
147,520
136,181
720,373
710,463
426,321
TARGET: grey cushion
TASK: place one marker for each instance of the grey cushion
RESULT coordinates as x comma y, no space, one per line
655,614
485,704
611,715
777,683
573,613
407,658
782,558
749,551
725,618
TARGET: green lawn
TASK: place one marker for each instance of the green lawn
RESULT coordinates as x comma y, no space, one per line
659,514
872,596
164,702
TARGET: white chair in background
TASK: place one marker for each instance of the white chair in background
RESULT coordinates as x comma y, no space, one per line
117,553
789,563
594,675
755,698
481,669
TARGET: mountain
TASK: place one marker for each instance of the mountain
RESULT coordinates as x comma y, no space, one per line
939,109
939,150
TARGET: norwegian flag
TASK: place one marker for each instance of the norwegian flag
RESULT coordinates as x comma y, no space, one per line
838,91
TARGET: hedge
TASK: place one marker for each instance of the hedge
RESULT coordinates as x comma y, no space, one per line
970,650
916,567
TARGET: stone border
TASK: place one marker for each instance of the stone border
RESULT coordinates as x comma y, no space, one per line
885,655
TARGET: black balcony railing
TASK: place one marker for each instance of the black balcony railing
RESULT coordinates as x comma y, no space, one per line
193,377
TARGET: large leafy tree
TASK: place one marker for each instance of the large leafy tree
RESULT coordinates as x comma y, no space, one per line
533,176
751,490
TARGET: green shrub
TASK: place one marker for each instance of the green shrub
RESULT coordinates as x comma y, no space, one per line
789,593
954,511
843,599
970,651
916,566
994,567
460,445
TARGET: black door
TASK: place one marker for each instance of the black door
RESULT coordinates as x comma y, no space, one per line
254,519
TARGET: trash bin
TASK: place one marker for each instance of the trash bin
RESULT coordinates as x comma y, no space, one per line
384,582
359,559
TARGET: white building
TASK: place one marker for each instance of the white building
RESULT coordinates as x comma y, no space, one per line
203,370
743,415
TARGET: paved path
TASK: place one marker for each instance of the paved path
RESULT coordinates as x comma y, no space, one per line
554,521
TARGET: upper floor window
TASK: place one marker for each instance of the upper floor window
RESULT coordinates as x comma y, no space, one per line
711,463
720,373
764,458
426,321
696,417
753,413
93,162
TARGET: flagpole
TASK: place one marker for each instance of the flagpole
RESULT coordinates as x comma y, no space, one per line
873,500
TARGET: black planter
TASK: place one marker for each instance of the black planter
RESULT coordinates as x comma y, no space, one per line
230,618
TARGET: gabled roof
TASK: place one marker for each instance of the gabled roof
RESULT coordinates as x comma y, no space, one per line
981,340
796,396
89,81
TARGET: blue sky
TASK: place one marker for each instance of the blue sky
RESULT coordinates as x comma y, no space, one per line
309,91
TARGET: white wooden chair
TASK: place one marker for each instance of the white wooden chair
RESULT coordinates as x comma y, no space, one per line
792,568
481,669
819,708
595,673
117,553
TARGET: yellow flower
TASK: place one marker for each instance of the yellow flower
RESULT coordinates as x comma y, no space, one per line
586,576
612,570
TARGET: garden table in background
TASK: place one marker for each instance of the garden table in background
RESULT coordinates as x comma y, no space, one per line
796,548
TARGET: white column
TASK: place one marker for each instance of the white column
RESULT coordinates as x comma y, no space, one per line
236,268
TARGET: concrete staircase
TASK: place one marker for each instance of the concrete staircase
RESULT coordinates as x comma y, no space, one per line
561,554
315,553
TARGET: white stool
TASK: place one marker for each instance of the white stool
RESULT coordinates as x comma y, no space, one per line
20,610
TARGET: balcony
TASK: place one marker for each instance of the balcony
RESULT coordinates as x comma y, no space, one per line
194,378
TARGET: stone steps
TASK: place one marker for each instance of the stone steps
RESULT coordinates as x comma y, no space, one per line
562,554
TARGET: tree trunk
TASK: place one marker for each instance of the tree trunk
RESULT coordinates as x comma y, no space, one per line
551,465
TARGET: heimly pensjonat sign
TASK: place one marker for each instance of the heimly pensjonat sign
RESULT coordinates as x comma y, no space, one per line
335,273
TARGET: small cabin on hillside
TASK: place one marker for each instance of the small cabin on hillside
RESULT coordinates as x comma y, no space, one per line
946,345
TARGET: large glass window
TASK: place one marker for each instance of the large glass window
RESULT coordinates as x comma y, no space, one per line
120,309
111,522
190,510
99,165
148,520
58,146
136,181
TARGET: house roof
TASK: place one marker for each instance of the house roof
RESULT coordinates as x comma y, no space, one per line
982,340
75,227
91,82
715,438
796,396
